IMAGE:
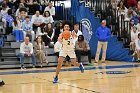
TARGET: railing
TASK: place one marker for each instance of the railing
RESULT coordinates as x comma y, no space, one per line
61,10
117,23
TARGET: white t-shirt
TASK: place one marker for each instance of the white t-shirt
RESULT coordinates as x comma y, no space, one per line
134,36
51,10
26,48
138,27
48,19
36,19
17,12
18,26
78,33
4,13
137,43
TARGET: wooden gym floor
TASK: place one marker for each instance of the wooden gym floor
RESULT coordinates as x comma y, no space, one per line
112,77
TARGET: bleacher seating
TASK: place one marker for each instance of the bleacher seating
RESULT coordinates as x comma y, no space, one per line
11,50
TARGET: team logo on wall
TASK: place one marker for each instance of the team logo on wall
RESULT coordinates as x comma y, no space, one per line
86,29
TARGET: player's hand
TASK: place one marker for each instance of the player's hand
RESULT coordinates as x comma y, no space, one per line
74,35
60,36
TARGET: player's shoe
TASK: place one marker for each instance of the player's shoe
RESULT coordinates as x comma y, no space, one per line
2,83
55,80
81,68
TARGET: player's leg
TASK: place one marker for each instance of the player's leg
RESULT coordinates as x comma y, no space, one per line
74,62
59,65
72,55
60,62
80,65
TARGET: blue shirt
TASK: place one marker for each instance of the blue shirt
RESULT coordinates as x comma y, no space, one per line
27,26
10,20
103,33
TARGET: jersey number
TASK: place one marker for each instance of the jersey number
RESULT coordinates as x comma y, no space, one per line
68,42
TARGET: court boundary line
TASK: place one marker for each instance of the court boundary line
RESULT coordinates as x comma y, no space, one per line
68,69
70,85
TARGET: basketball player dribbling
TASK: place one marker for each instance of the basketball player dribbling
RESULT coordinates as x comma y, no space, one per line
67,49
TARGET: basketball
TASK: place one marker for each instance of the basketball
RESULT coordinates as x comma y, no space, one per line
66,34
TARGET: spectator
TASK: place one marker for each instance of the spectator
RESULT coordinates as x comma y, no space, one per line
39,50
37,20
26,50
17,31
4,13
58,46
102,33
131,24
122,13
1,1
114,4
28,29
138,26
21,5
138,9
10,4
58,30
76,31
82,48
130,14
23,14
48,35
51,9
9,21
33,6
43,5
134,37
36,6
17,2
132,3
122,10
48,18
137,44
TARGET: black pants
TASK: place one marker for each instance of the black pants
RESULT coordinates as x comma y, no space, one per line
57,54
35,28
0,51
8,30
46,40
79,53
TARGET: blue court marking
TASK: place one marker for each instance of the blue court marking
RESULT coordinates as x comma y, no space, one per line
114,72
69,69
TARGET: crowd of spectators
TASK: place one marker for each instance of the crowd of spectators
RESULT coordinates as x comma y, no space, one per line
34,21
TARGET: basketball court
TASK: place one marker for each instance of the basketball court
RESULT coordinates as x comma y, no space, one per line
112,77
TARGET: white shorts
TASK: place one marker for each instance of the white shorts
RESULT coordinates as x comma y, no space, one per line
71,54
